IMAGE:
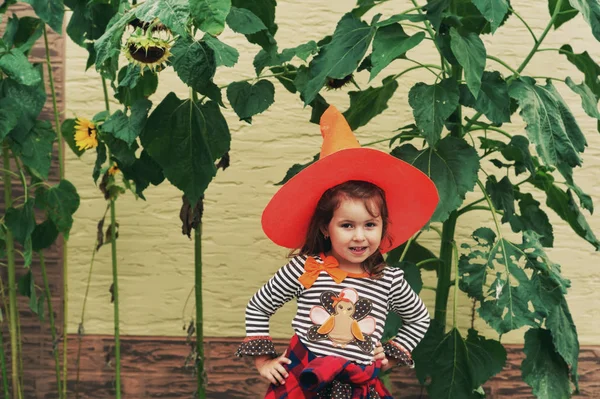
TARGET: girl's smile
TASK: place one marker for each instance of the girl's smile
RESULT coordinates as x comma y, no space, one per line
355,234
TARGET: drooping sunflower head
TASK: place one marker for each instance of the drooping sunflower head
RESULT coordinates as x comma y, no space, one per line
333,83
146,50
85,134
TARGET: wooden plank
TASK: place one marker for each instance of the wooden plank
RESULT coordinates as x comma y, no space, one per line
155,367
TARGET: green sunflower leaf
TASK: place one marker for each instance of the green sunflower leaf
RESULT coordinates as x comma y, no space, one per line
588,66
460,367
22,33
101,157
416,253
173,13
517,151
133,86
493,10
550,125
502,195
432,105
295,169
453,167
265,11
244,21
248,100
128,128
194,62
68,133
585,63
43,235
26,287
209,15
143,172
199,136
21,221
341,56
35,149
543,368
60,203
487,357
29,101
505,304
224,54
532,218
589,101
434,10
389,44
120,152
412,274
470,52
302,51
16,66
9,116
563,203
109,44
51,12
584,199
472,270
566,13
89,20
367,104
590,10
564,335
401,17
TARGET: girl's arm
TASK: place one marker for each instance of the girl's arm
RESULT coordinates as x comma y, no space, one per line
281,288
415,320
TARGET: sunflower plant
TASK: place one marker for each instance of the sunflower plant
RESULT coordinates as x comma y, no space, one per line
43,214
463,109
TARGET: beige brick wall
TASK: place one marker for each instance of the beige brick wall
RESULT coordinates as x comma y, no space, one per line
156,261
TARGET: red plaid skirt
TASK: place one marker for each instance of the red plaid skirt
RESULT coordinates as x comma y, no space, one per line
326,377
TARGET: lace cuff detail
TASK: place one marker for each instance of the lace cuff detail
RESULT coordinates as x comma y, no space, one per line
254,346
398,352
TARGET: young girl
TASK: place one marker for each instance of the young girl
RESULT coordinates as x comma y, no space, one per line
340,214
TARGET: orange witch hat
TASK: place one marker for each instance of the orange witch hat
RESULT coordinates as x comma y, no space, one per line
410,195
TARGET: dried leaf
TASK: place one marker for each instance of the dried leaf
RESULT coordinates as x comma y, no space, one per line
112,293
190,219
224,161
108,236
100,233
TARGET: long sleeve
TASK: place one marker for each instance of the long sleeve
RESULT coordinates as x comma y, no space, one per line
281,288
415,319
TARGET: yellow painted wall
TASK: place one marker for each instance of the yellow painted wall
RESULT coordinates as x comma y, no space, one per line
156,261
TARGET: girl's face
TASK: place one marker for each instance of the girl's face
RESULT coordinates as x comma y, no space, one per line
355,234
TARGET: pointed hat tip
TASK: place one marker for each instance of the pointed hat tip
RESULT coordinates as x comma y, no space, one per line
336,132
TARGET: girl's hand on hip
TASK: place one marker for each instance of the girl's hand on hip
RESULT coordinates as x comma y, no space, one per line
272,369
379,354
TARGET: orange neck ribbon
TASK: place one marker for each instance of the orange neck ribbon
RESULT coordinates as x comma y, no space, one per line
312,268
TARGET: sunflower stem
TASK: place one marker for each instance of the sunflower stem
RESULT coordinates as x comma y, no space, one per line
61,161
3,364
51,318
113,234
12,286
115,286
201,375
80,330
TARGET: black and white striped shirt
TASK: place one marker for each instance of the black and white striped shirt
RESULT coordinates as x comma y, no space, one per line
390,293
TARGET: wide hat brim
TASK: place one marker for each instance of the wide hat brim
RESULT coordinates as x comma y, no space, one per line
410,195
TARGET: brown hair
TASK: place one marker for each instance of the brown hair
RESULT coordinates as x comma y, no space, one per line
373,198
